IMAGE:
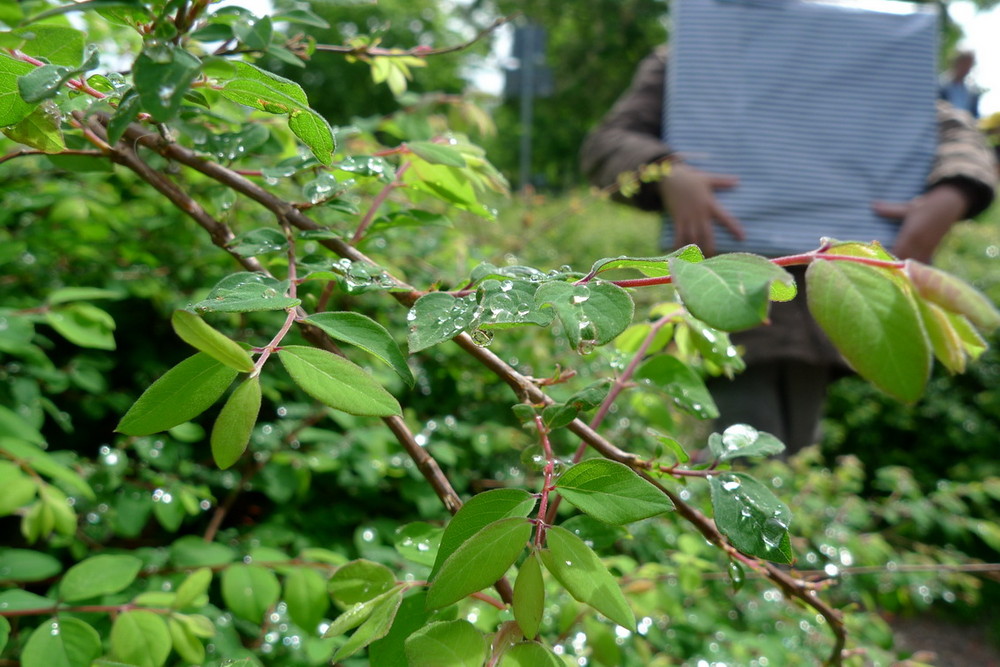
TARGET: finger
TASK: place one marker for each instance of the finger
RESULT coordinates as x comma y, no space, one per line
895,210
729,221
722,181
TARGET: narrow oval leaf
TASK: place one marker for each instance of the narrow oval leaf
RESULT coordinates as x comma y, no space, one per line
478,512
197,333
185,642
232,428
366,333
181,394
751,516
336,382
584,576
83,324
45,464
730,292
873,323
611,492
375,627
479,562
953,294
62,642
446,644
99,575
945,340
529,596
306,597
141,638
192,588
359,612
249,591
27,565
437,153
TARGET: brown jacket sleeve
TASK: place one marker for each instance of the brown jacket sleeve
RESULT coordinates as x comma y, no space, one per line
630,134
964,159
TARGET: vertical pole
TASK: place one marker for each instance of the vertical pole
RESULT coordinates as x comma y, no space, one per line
527,57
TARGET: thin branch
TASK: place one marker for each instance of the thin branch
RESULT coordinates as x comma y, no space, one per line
26,151
416,51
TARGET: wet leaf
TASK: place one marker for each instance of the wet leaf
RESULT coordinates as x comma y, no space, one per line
245,293
681,383
13,108
162,80
360,581
595,313
743,440
249,591
751,516
437,317
375,627
446,644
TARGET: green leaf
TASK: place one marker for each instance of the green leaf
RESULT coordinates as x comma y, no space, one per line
359,581
15,426
750,515
181,394
67,294
126,112
45,464
530,654
314,132
140,638
446,644
743,440
479,562
199,334
592,314
254,33
437,153
874,324
369,335
945,340
651,267
449,184
506,303
13,108
40,129
714,345
62,642
306,597
193,587
437,317
234,425
681,383
729,292
44,82
162,78
185,642
192,551
584,576
27,565
336,382
83,324
611,492
529,596
375,626
16,599
4,632
360,612
418,542
249,591
99,575
410,617
57,44
953,294
246,293
481,510
259,242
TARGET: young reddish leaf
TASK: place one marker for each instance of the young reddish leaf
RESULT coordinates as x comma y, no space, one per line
584,576
611,492
873,322
181,394
446,644
232,428
197,333
480,510
953,294
751,516
529,596
479,562
336,382
947,344
366,333
140,637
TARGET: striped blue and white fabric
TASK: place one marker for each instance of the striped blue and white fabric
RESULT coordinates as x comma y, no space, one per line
820,108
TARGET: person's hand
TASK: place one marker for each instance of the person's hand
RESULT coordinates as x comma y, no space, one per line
926,219
689,196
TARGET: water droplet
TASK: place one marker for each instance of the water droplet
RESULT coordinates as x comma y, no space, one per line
269,293
482,337
506,285
731,484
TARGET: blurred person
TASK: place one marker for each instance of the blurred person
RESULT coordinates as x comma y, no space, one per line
790,362
955,88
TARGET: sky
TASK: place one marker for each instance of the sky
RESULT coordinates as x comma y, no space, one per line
982,35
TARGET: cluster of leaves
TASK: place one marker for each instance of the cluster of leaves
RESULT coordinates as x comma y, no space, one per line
188,574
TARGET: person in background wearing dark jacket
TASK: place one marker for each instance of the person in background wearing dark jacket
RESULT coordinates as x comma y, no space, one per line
790,362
